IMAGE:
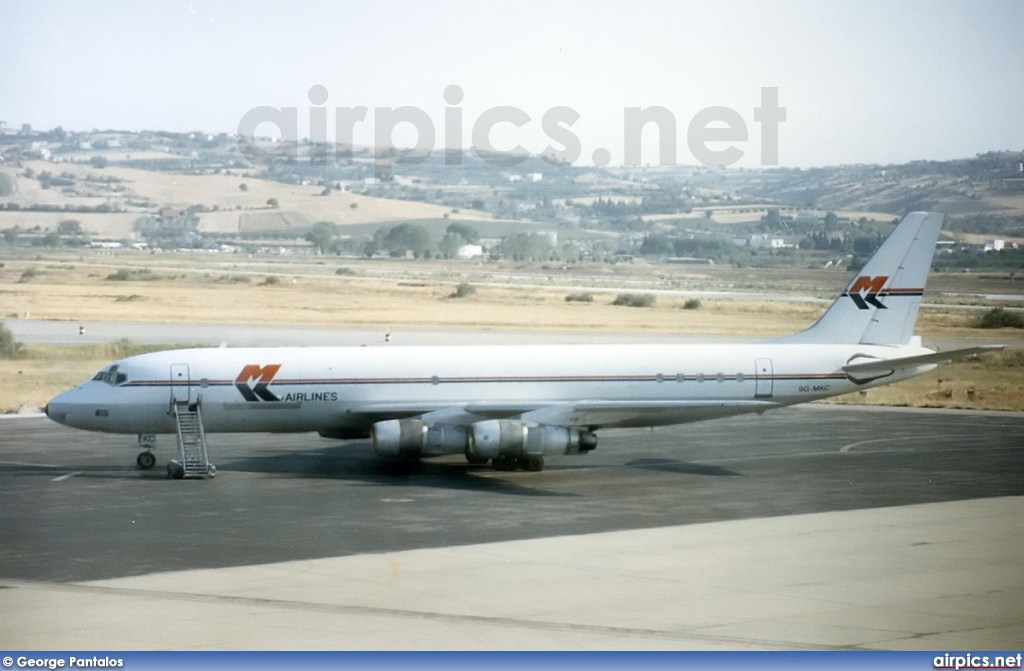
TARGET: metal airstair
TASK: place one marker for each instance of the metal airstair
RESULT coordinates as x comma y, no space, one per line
194,461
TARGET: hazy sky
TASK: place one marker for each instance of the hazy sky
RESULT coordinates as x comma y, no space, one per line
870,82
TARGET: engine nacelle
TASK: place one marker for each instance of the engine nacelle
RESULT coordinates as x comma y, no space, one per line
412,438
514,438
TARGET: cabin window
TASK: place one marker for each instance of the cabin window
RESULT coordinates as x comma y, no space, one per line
700,377
739,377
680,377
720,377
659,378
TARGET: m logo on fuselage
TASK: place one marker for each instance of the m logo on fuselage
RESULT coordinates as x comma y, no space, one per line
263,376
864,291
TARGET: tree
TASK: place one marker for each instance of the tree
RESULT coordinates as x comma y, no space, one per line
465,231
98,161
526,247
324,236
272,202
450,245
243,187
403,238
657,245
831,221
51,239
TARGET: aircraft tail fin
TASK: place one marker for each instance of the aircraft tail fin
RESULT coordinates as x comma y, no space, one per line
879,307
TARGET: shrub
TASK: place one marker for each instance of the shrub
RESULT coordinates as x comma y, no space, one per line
579,298
9,347
634,300
998,318
133,275
344,271
271,280
462,290
28,275
691,304
234,279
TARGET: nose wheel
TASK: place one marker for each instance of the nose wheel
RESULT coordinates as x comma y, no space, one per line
146,460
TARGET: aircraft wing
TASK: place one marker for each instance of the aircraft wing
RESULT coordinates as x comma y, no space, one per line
578,413
900,363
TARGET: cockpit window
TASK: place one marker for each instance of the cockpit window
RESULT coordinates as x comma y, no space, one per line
111,376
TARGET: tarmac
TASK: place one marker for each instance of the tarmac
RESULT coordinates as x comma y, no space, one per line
807,528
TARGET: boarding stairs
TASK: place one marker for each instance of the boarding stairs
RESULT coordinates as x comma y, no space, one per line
194,461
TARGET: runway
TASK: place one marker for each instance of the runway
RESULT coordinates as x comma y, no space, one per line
817,526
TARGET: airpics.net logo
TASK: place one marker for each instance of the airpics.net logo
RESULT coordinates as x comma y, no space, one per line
706,133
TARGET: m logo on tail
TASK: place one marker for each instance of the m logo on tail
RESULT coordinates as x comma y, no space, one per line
263,376
865,291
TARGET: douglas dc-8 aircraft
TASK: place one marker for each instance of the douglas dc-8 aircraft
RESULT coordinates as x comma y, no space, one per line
514,405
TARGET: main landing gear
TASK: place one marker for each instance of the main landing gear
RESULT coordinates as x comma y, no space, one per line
507,463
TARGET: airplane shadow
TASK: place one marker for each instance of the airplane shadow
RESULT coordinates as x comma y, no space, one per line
356,462
676,466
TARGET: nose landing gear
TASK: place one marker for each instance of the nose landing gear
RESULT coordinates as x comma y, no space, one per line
146,460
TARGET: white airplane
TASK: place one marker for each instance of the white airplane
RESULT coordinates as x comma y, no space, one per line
514,405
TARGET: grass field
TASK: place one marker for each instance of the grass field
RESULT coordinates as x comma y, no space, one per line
166,189
161,292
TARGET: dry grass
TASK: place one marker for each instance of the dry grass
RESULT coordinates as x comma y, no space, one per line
64,291
340,301
174,190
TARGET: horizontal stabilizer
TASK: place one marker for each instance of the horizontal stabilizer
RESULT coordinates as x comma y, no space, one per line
901,363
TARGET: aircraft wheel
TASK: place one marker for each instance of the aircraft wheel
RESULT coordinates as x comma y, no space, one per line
475,460
212,471
146,460
503,463
533,464
175,470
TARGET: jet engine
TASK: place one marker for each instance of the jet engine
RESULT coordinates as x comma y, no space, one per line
413,438
513,438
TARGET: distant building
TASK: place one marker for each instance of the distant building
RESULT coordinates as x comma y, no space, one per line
995,245
535,176
469,251
764,241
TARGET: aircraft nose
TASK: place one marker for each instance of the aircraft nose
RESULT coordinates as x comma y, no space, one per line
56,410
